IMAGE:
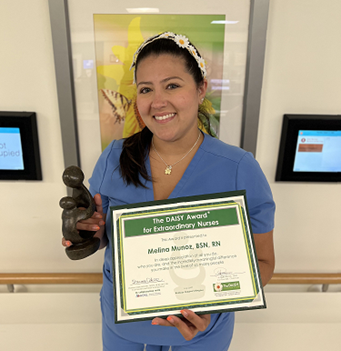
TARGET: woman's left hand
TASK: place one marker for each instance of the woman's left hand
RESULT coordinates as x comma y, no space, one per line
189,325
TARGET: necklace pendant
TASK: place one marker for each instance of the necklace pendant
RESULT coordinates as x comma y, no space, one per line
168,170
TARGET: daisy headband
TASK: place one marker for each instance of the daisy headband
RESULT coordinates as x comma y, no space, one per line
181,41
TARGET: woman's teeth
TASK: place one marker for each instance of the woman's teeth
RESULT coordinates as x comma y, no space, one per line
160,118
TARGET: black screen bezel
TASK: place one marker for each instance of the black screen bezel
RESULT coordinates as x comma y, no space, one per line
27,124
286,157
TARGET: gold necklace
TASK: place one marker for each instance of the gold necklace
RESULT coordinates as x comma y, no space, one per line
168,169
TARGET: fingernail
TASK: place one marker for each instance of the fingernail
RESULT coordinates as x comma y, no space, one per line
155,323
184,313
170,319
68,243
95,227
97,215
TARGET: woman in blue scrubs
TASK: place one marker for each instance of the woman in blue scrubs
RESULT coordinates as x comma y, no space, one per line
172,158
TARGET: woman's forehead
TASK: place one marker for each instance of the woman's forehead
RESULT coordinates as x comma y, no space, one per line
162,62
164,57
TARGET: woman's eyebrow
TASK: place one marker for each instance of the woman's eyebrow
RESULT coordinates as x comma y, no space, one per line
169,78
162,81
147,83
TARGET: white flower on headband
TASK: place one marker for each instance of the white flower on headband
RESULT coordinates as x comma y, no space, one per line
182,41
192,50
202,65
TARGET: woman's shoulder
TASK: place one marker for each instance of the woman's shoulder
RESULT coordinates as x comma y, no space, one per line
111,154
107,162
115,145
113,149
218,148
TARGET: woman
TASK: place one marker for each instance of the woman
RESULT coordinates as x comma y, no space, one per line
172,158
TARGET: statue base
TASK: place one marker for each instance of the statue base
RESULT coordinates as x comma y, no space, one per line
82,250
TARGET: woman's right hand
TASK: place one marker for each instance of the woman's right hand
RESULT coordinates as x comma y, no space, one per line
96,223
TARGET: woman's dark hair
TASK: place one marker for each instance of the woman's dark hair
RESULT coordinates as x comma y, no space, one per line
136,148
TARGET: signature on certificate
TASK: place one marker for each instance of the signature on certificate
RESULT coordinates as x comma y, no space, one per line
221,272
147,281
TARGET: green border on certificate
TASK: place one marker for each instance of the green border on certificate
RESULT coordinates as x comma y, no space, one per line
194,252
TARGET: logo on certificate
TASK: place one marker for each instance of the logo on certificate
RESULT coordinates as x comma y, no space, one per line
218,287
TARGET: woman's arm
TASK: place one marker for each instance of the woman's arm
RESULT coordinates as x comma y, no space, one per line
265,254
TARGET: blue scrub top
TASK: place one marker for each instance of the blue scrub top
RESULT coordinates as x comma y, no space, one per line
216,167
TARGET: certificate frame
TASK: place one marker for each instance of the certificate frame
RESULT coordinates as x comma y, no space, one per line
72,131
183,267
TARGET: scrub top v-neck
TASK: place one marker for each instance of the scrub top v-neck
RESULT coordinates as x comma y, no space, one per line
181,183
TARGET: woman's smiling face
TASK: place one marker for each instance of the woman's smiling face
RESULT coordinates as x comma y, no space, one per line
168,97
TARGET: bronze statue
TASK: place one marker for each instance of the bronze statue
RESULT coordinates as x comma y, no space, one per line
79,206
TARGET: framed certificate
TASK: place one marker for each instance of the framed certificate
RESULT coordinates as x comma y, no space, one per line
194,252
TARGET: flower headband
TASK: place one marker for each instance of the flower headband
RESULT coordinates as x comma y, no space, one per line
181,41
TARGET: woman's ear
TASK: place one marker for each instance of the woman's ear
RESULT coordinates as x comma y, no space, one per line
202,91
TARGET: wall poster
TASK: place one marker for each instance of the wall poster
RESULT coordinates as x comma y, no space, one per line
95,37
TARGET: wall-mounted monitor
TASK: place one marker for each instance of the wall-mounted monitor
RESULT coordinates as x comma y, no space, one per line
310,149
19,146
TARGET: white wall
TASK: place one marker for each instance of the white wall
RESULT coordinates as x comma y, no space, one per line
302,75
30,213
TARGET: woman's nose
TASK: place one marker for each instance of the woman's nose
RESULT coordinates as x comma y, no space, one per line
159,100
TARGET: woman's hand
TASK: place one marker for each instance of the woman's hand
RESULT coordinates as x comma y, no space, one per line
189,325
96,223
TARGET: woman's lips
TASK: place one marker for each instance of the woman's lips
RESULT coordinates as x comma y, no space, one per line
164,117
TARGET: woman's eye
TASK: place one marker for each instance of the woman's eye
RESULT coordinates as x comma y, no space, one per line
172,86
144,90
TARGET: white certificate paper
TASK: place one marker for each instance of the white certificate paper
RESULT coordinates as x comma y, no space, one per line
196,253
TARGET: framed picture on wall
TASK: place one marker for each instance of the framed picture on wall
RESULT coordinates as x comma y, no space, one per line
93,46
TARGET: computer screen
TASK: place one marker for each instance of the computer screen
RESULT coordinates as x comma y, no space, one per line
310,149
19,146
11,149
318,151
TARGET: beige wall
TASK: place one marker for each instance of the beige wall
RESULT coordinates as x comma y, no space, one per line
31,225
302,75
